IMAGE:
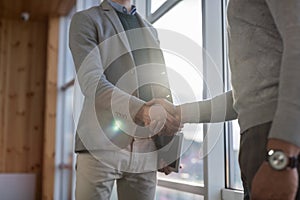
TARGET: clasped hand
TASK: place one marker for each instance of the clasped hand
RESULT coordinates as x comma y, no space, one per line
165,118
161,117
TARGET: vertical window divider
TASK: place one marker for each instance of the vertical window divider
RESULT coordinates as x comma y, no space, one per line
213,44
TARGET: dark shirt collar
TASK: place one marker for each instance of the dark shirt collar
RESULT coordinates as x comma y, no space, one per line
122,9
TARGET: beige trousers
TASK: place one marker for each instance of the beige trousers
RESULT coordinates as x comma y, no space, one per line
95,179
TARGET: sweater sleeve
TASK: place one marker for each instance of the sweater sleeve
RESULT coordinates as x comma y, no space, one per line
286,126
217,109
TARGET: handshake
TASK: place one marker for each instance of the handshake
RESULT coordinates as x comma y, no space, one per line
160,116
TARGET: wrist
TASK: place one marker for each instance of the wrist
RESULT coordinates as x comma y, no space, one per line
288,148
178,112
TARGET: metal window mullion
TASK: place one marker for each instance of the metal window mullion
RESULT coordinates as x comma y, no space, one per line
68,85
198,190
60,108
62,133
229,155
229,126
163,9
214,162
229,176
228,194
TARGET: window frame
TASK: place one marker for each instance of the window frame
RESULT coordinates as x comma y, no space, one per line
144,8
63,86
229,194
164,8
228,125
229,157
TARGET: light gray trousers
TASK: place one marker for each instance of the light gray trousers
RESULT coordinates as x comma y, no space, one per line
95,181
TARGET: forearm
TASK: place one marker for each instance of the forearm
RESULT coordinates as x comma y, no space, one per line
217,109
110,97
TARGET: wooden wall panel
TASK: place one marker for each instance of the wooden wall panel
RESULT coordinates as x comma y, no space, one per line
22,96
50,112
36,95
3,58
16,104
38,9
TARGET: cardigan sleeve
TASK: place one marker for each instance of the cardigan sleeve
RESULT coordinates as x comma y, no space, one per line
217,109
286,126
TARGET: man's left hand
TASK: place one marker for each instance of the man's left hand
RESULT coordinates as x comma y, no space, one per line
270,184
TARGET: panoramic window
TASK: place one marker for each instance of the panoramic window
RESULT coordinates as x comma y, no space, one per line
191,172
184,18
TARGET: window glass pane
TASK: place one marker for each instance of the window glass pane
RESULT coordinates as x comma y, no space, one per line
184,18
191,162
85,4
155,4
168,194
69,69
67,145
236,183
188,18
68,135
